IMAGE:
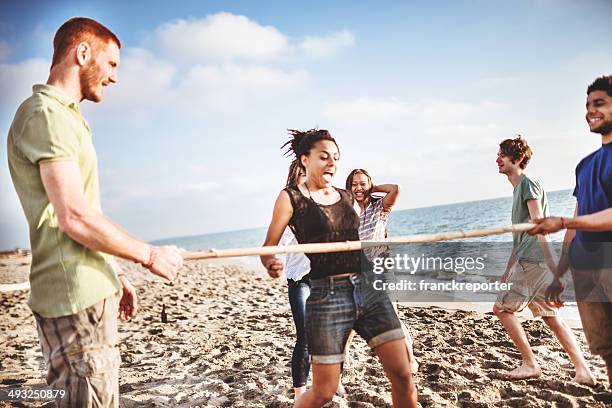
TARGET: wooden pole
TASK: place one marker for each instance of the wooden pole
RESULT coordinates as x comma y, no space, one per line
353,245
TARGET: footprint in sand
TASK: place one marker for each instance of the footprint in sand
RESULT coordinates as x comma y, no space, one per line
498,365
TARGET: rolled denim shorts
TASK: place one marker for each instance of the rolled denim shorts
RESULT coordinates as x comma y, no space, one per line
338,305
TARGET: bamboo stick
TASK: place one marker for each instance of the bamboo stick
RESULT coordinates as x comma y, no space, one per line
353,245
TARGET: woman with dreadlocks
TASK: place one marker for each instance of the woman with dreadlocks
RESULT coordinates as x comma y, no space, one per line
342,298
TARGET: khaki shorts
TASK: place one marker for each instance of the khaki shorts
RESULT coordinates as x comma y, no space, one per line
82,355
529,282
594,298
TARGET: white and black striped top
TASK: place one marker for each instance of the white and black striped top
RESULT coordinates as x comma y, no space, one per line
373,227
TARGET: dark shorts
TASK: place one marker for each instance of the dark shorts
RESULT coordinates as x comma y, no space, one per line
594,299
338,305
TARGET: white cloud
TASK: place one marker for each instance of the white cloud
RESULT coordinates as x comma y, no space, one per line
144,75
201,187
497,83
16,82
326,46
428,113
227,87
145,85
442,112
222,36
5,50
366,110
413,130
225,37
256,78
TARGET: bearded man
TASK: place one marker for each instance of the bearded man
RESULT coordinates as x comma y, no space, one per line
77,289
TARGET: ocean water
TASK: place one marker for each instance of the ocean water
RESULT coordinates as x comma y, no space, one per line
450,217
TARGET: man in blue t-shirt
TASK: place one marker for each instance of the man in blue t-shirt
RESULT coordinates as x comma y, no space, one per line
589,232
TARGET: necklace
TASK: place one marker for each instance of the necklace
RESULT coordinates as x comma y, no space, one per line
310,193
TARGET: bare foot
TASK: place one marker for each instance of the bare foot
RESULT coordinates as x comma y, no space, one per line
584,377
523,372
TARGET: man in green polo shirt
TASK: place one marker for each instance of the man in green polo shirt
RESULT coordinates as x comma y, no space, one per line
528,268
76,287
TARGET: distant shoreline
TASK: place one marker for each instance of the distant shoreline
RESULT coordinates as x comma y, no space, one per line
169,240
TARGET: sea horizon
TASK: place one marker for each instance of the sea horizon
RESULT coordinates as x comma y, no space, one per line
392,228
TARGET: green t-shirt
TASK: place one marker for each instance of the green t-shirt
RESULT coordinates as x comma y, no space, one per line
527,246
65,276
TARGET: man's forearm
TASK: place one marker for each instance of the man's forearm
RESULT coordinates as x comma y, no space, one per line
596,222
548,252
564,261
93,230
511,261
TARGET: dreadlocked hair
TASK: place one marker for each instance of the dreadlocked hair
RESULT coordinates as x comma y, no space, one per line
293,174
301,142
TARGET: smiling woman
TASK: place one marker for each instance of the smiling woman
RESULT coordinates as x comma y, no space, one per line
342,296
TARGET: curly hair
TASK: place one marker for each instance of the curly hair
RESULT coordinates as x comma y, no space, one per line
300,142
603,83
516,149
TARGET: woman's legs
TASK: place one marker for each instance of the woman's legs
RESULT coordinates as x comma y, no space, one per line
393,356
300,365
325,379
381,327
414,365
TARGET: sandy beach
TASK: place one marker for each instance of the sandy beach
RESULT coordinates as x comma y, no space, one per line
229,336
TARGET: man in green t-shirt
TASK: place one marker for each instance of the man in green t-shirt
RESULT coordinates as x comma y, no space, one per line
529,267
77,289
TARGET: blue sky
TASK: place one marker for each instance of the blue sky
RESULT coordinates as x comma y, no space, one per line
419,93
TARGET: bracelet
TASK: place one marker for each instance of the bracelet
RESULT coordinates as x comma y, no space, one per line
563,223
152,258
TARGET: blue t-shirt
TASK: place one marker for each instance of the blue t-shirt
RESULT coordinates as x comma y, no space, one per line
592,250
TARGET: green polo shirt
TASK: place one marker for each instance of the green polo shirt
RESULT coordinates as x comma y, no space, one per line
527,246
65,276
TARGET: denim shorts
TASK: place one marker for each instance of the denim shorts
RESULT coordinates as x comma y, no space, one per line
338,305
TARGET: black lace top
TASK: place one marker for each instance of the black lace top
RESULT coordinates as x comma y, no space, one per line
312,222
